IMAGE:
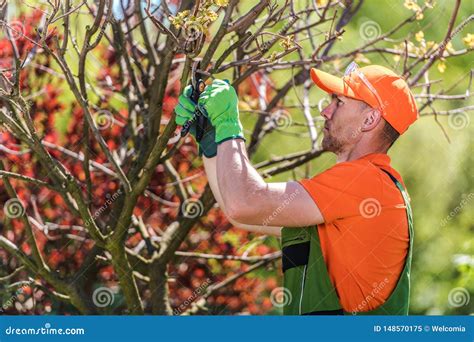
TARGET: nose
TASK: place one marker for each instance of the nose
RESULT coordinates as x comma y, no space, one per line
328,111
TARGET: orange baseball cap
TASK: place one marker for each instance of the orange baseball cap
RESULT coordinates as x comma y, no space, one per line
377,86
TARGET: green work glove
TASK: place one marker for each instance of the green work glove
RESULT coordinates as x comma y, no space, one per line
220,102
184,112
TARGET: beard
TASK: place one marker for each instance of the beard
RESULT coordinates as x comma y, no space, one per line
331,143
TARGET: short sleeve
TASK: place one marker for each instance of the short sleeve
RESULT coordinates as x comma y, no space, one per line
339,191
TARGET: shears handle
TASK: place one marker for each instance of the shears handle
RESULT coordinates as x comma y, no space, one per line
201,119
198,117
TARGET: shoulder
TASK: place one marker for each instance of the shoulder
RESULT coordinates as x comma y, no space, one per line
351,171
359,178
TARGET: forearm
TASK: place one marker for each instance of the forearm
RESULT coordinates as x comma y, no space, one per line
242,194
239,182
210,166
250,200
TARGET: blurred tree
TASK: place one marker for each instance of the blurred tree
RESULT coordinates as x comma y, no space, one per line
106,208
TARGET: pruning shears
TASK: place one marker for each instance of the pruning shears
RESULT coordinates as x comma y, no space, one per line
199,117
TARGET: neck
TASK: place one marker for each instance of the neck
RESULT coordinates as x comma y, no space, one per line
358,151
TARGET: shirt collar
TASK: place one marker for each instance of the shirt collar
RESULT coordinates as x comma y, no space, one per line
379,159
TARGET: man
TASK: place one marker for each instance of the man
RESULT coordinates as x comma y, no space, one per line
348,236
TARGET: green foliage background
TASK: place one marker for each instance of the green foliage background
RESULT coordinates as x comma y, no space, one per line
438,173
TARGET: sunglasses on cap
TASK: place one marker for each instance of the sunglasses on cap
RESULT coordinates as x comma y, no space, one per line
353,69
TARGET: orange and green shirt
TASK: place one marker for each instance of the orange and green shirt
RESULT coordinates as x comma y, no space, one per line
365,237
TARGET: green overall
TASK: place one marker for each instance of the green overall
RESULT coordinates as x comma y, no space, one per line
307,280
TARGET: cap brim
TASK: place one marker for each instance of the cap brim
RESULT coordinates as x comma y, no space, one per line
331,84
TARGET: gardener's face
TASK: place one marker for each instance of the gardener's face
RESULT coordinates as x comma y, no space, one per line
343,121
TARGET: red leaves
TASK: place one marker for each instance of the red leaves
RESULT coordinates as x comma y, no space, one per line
59,120
168,105
54,258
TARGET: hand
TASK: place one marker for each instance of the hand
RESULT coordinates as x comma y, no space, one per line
184,112
220,102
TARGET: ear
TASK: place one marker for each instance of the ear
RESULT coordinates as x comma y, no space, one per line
372,119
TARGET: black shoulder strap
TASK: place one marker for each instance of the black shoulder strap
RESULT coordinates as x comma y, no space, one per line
391,176
404,193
